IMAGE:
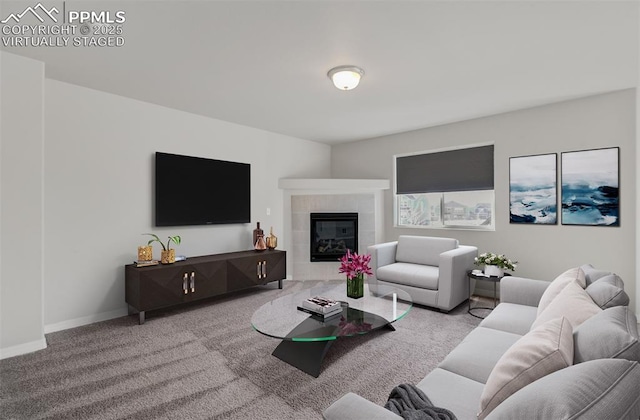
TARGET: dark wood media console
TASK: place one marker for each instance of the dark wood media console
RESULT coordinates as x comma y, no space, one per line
160,286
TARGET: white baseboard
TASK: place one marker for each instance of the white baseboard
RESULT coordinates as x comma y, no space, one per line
23,348
86,320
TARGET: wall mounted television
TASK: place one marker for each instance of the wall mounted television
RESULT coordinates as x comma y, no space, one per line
199,191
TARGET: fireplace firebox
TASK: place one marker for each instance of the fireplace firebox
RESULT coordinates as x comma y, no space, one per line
332,234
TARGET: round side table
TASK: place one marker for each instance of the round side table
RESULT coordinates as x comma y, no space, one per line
483,277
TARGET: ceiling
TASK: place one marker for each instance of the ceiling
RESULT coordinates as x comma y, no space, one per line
263,64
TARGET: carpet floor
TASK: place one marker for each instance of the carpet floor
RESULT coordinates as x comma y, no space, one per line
204,361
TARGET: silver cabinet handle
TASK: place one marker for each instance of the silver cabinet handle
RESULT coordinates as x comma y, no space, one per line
184,283
259,270
264,269
193,282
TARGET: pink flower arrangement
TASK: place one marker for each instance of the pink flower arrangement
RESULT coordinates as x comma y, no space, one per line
354,265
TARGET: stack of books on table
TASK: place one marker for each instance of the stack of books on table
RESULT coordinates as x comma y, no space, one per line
321,306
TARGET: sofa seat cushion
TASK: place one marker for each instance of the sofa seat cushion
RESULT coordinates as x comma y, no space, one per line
613,333
416,275
542,351
573,303
478,353
560,283
511,317
423,249
454,392
594,390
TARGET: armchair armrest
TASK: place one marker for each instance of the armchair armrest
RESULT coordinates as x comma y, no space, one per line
453,284
353,407
521,290
381,255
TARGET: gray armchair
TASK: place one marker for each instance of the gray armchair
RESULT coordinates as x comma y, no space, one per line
432,270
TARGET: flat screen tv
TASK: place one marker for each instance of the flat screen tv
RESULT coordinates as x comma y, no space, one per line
199,191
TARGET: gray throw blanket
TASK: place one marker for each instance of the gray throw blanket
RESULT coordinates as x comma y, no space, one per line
409,402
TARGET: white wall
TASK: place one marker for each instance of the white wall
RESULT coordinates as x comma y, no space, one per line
98,184
543,251
21,205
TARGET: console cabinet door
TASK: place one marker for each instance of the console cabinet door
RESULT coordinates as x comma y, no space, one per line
257,269
274,267
206,280
162,286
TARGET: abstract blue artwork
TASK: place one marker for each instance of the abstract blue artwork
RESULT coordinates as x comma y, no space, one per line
590,191
533,197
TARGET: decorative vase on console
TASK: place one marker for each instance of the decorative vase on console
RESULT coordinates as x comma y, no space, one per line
260,244
257,231
272,240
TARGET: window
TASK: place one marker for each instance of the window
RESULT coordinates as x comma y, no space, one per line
446,189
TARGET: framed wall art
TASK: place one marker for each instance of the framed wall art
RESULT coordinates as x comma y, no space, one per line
590,187
533,196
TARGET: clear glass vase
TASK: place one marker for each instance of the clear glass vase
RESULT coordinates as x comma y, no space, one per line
355,287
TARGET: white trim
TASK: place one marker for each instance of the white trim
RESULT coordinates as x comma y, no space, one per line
23,348
346,186
85,320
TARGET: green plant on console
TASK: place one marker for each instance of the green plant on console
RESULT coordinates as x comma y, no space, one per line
175,239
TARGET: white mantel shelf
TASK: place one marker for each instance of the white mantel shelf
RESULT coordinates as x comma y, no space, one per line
333,184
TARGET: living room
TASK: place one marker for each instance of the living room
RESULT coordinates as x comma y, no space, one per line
77,151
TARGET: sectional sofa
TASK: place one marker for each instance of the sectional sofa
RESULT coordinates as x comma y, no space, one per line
565,349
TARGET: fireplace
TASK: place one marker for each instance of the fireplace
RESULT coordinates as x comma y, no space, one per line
332,234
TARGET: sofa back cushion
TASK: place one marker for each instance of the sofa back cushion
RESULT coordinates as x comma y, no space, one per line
592,274
613,333
423,249
572,302
541,351
599,389
608,291
560,283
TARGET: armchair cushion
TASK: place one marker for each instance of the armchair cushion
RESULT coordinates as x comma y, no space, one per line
417,275
424,250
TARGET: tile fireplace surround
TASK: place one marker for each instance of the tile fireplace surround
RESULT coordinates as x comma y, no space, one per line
305,196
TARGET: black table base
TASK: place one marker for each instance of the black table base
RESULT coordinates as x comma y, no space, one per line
308,355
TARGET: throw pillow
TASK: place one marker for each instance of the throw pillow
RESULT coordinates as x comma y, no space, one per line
560,283
540,352
610,334
592,274
608,291
572,302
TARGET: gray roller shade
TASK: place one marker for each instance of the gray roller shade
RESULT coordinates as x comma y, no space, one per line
454,170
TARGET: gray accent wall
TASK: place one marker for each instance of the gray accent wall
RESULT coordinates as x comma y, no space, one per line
598,121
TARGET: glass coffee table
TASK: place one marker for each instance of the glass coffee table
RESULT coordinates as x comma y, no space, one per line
307,338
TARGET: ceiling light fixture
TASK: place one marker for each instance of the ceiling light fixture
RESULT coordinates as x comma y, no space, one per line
345,77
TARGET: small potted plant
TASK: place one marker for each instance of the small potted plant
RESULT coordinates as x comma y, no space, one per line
168,254
495,264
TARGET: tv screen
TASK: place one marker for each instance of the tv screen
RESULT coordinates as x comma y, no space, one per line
198,191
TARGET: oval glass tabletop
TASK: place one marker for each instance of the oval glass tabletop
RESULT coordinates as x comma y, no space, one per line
281,319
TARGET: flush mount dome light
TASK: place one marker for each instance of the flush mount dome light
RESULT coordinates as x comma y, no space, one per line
345,77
